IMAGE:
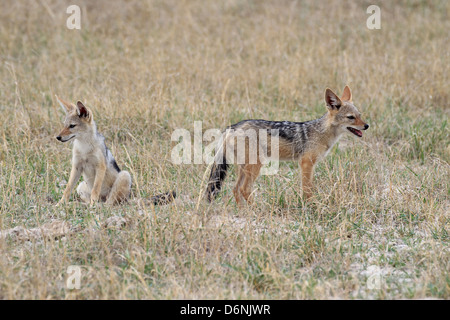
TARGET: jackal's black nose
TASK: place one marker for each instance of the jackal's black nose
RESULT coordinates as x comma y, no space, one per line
59,138
366,126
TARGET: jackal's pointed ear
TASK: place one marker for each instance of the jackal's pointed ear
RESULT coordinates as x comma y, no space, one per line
82,111
66,106
332,100
347,94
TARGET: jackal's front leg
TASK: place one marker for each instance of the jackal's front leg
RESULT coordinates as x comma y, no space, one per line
75,175
98,182
307,164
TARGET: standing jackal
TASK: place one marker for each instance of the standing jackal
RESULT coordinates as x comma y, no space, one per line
103,179
308,142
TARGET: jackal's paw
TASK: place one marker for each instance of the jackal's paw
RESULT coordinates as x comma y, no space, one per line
94,202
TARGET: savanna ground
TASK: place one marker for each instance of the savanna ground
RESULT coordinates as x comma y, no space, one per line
379,226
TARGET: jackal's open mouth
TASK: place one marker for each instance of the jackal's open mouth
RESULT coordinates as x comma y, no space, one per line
356,132
67,139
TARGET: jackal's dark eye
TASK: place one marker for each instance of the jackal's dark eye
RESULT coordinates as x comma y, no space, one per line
72,126
351,117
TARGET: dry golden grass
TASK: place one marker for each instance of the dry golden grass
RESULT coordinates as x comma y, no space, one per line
149,67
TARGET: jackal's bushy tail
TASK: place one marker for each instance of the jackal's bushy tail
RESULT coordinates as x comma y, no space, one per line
216,178
163,198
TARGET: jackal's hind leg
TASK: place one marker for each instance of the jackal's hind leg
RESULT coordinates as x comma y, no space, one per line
240,179
84,192
251,172
121,188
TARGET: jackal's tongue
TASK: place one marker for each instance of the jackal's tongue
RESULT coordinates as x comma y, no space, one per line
355,131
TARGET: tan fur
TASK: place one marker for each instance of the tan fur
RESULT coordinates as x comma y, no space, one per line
285,150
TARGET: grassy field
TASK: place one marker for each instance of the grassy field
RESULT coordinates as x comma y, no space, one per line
146,68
